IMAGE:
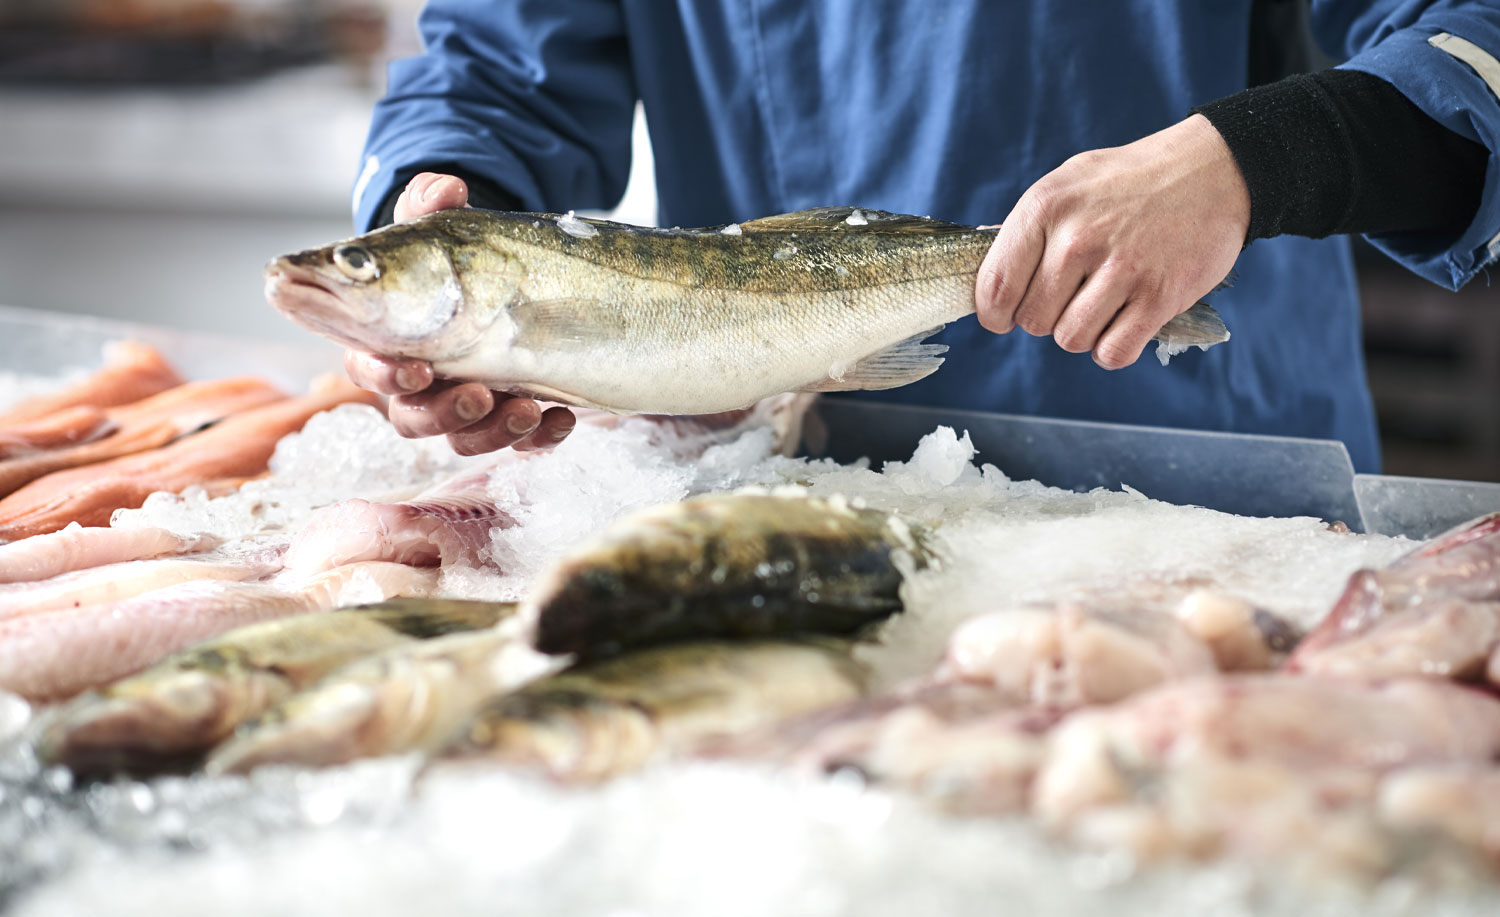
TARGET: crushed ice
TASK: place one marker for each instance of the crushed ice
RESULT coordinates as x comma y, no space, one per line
856,218
688,839
733,229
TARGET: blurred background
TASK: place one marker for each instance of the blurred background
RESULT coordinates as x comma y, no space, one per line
154,154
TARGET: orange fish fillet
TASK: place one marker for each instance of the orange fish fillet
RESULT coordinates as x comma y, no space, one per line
239,446
146,424
67,427
131,371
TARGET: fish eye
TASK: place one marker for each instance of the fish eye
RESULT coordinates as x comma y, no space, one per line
356,263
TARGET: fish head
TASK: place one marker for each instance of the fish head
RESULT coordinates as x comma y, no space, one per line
429,289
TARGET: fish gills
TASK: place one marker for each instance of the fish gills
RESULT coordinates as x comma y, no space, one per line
737,565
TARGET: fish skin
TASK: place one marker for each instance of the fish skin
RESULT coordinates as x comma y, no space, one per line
602,719
409,698
724,565
58,654
662,321
172,713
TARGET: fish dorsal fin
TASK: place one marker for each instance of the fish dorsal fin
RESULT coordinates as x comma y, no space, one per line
855,219
897,365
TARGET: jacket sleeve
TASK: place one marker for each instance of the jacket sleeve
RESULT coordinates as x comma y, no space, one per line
1442,56
536,96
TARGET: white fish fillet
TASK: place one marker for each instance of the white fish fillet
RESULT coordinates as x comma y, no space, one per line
76,547
116,582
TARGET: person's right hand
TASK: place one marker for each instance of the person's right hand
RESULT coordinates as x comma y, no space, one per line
475,419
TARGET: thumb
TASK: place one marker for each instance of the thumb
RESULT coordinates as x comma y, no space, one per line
429,192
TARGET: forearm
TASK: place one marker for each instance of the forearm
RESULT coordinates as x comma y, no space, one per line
1343,151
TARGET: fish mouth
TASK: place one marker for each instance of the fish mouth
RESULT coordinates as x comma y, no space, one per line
304,297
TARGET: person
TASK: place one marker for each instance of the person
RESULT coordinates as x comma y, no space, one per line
1135,153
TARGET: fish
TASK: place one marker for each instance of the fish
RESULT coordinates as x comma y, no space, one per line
131,371
115,582
171,714
76,547
70,426
602,719
659,321
446,525
55,655
146,424
406,699
238,446
725,565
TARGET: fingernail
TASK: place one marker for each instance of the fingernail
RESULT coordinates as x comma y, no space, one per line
520,424
408,379
560,433
469,407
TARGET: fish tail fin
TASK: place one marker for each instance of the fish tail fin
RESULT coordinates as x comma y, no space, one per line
1199,327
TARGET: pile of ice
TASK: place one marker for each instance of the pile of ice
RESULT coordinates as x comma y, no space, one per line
691,839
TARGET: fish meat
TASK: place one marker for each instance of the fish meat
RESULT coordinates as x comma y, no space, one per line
602,719
408,699
446,525
239,446
131,371
114,582
1434,612
660,321
725,565
66,427
172,713
56,654
1074,653
76,547
146,424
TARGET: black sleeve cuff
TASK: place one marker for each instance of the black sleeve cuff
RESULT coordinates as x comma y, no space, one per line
483,193
1343,151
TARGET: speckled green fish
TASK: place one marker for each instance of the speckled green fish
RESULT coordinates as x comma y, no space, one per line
725,565
170,714
663,321
601,719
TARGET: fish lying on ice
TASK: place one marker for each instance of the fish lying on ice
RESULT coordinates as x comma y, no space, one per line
79,548
725,565
57,654
81,423
408,699
658,321
239,446
146,424
1434,612
115,582
131,371
173,712
601,719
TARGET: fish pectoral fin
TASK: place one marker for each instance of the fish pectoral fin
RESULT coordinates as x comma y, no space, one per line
575,323
895,366
854,219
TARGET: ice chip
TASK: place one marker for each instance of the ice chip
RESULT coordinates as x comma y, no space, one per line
578,229
856,218
733,229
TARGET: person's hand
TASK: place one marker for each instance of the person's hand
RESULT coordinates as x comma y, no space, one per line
1107,248
475,419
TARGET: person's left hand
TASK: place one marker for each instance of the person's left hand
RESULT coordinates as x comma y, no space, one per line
1107,248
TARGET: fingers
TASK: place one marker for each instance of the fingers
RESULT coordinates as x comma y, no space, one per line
1133,328
386,375
517,422
442,408
1008,268
430,192
1092,308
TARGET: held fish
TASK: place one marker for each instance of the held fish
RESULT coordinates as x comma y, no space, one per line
602,719
725,565
662,321
184,705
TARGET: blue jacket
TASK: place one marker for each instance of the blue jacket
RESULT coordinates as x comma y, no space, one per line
950,108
